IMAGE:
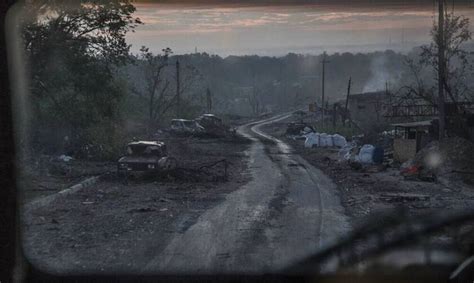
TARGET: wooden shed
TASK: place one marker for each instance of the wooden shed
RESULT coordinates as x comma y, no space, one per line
411,137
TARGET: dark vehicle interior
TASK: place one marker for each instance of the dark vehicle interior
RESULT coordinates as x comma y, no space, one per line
146,149
267,203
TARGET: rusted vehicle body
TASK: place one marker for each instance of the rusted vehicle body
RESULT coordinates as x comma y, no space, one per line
145,156
213,125
296,128
186,127
208,120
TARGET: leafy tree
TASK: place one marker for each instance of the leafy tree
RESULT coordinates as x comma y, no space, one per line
73,48
98,25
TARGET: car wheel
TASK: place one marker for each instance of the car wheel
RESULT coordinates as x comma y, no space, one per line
171,163
122,176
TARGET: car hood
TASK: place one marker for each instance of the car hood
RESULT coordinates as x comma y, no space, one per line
139,159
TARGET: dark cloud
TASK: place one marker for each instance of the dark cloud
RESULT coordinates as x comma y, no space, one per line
277,29
326,3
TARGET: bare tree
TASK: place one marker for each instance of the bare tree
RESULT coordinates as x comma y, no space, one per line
457,67
447,62
208,100
191,84
254,100
418,91
156,85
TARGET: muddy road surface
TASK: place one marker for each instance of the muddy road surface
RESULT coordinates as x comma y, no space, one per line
289,210
274,210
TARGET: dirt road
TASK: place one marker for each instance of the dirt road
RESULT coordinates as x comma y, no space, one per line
274,208
288,210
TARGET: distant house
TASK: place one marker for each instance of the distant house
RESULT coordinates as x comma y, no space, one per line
412,137
367,109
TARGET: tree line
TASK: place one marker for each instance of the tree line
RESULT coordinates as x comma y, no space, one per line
89,93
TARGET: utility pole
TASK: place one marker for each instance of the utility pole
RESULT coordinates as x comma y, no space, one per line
209,100
256,96
280,81
441,70
324,62
178,98
347,100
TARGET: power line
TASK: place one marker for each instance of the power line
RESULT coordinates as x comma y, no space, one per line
323,62
441,70
178,98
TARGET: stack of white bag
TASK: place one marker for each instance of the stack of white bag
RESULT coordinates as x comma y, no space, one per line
366,154
339,140
312,140
324,140
345,151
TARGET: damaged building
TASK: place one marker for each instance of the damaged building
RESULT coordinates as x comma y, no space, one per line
368,109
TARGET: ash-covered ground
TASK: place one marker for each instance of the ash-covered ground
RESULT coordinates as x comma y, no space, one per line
97,227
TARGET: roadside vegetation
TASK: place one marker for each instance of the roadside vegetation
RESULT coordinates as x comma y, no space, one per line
89,94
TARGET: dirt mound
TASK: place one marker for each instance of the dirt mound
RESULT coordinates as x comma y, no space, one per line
452,159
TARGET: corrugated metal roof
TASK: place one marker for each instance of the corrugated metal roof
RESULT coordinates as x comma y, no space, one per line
426,123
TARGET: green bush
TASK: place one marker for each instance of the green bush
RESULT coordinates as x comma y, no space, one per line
343,130
103,141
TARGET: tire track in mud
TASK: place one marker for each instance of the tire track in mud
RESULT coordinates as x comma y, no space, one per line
286,157
269,223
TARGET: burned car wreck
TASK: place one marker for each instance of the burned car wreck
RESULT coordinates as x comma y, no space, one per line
214,125
186,127
145,156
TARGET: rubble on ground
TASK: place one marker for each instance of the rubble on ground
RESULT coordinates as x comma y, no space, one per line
450,160
453,161
92,220
351,152
298,129
48,174
65,158
371,187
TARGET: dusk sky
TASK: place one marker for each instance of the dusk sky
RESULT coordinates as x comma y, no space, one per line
277,30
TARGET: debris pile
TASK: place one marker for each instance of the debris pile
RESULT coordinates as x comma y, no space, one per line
206,125
324,140
371,187
453,160
450,160
294,129
403,197
210,172
65,158
367,156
